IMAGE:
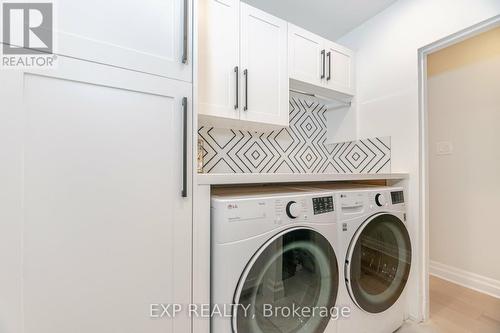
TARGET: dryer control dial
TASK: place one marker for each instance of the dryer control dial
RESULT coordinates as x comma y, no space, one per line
380,200
292,210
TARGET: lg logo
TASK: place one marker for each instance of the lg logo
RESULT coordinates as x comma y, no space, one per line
27,28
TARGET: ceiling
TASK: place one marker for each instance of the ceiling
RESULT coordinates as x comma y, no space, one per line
328,18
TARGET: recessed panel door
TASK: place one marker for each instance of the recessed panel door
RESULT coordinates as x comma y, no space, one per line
339,69
147,36
264,78
105,228
219,58
306,56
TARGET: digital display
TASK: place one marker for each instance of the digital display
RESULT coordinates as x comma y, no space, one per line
322,205
397,197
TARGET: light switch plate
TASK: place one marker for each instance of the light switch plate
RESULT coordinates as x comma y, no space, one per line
444,148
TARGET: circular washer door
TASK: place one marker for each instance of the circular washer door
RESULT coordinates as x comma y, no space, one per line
378,263
295,268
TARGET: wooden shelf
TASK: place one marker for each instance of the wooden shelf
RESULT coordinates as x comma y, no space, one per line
258,178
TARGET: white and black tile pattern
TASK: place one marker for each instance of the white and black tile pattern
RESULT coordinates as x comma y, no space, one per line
301,148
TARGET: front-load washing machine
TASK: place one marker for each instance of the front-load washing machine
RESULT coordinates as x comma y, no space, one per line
273,253
375,251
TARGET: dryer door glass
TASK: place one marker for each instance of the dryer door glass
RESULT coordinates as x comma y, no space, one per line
295,270
378,263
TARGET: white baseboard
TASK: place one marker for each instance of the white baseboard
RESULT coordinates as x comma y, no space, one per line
466,279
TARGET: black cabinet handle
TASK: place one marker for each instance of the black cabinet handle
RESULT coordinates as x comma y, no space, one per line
329,55
185,34
323,61
245,72
236,71
184,147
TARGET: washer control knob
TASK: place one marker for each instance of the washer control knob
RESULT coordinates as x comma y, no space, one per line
380,200
292,210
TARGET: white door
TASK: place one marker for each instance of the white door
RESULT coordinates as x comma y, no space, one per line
264,80
219,58
339,68
97,224
306,56
147,36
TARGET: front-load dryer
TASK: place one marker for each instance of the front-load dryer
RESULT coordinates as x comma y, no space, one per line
375,251
273,248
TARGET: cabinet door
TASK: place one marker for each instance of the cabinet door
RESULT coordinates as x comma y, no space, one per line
264,80
105,230
148,36
306,56
218,58
339,68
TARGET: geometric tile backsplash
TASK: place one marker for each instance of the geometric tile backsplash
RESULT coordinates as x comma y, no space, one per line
300,148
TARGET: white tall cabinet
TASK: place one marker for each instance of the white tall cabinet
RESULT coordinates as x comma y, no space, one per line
96,177
243,69
148,36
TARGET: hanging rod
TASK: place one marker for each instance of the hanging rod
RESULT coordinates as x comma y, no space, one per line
343,103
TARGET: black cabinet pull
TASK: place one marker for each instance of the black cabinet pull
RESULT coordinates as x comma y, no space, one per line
329,55
323,62
236,71
185,33
245,72
184,147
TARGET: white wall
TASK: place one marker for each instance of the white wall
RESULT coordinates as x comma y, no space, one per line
387,80
464,110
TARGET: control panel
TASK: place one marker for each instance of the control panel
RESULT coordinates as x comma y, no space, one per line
323,205
397,197
242,216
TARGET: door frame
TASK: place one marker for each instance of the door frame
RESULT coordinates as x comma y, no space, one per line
424,150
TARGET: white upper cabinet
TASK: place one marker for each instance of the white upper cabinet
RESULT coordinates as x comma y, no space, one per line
147,36
318,62
242,72
305,57
218,58
339,68
264,80
248,59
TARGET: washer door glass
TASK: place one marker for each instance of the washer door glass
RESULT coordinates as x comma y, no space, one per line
296,269
379,263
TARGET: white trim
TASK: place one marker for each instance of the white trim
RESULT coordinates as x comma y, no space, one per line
466,279
423,125
423,189
201,251
461,35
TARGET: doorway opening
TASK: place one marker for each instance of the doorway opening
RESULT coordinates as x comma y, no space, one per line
460,163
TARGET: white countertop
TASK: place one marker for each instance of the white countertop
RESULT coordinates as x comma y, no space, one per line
256,178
